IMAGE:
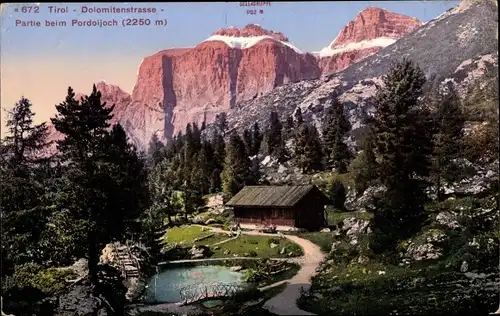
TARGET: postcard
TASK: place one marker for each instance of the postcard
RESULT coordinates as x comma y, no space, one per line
225,158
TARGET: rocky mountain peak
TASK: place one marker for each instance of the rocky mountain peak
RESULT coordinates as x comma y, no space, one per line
373,23
369,32
250,30
110,89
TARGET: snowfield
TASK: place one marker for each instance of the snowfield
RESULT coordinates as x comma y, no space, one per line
377,42
247,42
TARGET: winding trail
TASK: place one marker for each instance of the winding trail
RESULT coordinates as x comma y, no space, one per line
285,303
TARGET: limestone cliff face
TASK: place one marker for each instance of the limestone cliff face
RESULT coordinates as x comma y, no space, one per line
178,86
370,31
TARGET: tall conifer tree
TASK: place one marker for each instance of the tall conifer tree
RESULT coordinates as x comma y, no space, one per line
335,127
308,152
404,143
83,149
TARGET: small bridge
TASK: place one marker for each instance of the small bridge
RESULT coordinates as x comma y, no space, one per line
197,292
129,264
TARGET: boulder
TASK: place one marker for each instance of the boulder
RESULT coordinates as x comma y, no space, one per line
79,301
426,246
354,226
448,219
464,267
198,252
368,198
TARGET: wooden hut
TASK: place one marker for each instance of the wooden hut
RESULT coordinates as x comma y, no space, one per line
285,207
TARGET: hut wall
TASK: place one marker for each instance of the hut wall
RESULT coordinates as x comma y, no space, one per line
311,213
265,216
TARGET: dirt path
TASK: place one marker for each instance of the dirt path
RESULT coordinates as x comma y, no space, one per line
285,303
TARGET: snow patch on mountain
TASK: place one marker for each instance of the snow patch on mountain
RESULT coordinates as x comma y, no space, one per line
377,42
247,42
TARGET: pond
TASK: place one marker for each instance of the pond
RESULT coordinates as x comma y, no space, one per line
165,286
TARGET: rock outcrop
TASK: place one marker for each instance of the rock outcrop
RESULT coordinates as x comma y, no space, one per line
370,31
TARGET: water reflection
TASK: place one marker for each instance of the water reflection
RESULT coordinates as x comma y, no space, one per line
165,286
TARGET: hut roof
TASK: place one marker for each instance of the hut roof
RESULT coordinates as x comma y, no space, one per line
278,196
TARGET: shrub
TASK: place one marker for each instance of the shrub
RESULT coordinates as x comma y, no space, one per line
251,275
273,241
294,248
25,290
48,281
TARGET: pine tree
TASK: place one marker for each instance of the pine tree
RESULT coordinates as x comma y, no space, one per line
273,135
83,151
219,148
248,141
308,152
178,143
221,123
25,140
256,139
364,168
24,179
193,195
155,151
403,142
189,143
190,173
337,193
203,163
274,139
128,193
335,127
255,172
448,122
288,128
153,229
236,171
196,137
164,203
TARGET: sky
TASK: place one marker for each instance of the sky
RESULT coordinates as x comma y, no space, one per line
40,62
